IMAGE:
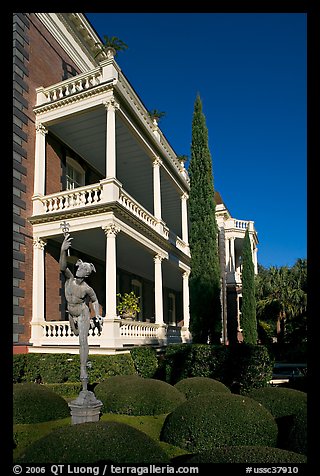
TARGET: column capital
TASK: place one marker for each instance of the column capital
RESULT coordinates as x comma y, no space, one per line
157,162
39,243
111,104
111,229
186,274
158,258
41,128
184,196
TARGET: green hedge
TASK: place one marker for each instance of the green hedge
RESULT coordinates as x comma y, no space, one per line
33,403
66,389
135,395
284,404
194,386
298,435
145,361
247,454
218,419
60,368
94,442
240,367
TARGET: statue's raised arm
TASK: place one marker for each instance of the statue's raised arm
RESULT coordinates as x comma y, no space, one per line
63,255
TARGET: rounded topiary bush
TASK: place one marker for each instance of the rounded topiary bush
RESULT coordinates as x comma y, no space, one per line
284,404
135,395
247,454
93,442
194,386
280,401
33,403
298,434
217,419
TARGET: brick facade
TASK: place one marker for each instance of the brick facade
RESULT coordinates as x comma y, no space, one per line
38,60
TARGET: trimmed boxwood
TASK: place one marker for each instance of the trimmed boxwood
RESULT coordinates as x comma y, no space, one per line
194,386
241,367
33,403
247,454
284,404
298,435
145,361
280,401
94,442
60,368
135,395
217,419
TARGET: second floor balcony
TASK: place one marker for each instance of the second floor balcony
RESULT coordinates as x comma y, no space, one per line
97,149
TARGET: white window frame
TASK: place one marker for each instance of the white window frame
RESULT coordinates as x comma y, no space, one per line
75,166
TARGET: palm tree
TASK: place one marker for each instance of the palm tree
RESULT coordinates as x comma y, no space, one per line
281,294
156,114
111,42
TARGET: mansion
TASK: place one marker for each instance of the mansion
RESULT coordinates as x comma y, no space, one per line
89,159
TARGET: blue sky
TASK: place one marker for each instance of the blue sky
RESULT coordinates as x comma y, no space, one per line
250,72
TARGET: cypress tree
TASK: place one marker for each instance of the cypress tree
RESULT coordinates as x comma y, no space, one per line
248,310
205,304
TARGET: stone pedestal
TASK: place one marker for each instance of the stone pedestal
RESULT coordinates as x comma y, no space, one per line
85,408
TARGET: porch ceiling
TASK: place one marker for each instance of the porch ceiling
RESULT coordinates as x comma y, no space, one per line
131,256
86,134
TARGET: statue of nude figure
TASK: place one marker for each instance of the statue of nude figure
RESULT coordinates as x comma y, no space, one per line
77,291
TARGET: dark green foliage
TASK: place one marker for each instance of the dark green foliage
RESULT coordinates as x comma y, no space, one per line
145,361
298,435
33,403
60,368
248,310
218,419
280,401
66,389
94,442
240,367
289,408
193,360
247,454
205,306
194,386
248,367
134,395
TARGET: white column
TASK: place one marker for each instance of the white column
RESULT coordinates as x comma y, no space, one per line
158,294
38,291
233,255
255,259
157,188
40,160
111,232
111,106
185,297
227,246
184,217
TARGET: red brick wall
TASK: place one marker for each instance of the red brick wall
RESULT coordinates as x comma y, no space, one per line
45,67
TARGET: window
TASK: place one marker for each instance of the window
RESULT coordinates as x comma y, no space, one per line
75,174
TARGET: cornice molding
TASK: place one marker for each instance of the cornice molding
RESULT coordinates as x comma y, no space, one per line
74,34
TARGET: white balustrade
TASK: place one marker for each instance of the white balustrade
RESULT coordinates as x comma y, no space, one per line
66,88
133,329
241,224
69,199
134,207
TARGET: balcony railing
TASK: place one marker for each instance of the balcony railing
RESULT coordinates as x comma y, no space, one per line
94,195
66,88
59,333
70,199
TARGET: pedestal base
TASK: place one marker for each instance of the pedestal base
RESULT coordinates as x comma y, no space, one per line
85,408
